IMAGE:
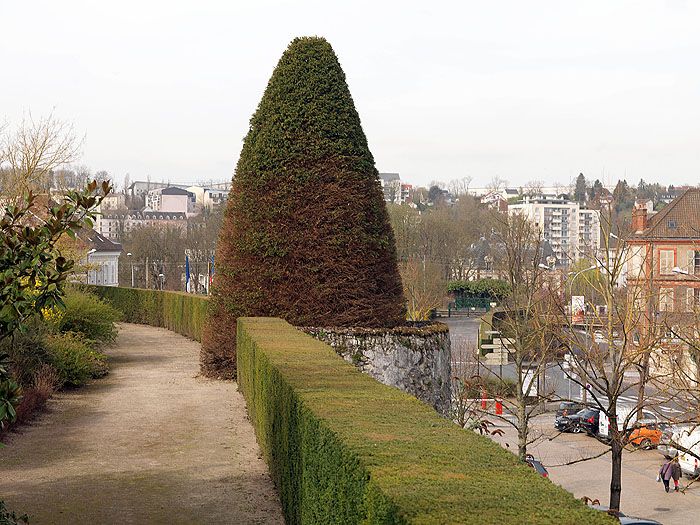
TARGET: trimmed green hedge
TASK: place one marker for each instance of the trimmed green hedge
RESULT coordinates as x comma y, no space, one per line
343,448
180,312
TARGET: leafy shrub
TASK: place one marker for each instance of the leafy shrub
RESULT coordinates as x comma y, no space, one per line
494,387
487,288
27,351
306,235
87,314
34,397
343,448
74,359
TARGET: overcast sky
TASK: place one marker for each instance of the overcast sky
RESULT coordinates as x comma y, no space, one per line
519,90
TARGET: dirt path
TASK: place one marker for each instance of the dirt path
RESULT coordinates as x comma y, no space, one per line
150,443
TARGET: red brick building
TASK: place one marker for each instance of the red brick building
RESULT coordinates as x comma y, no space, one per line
664,259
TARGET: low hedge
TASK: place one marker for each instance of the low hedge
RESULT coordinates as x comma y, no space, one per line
180,312
343,448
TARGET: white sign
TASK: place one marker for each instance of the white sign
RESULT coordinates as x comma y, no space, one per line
578,308
529,385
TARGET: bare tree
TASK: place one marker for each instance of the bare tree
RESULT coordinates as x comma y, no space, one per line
496,184
533,188
522,324
604,364
29,154
459,187
423,286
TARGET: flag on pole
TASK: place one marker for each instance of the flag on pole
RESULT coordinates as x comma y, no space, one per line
187,273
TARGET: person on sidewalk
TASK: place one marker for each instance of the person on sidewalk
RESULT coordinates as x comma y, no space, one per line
675,472
665,473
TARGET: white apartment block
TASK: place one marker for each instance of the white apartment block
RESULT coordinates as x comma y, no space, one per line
394,191
208,198
171,199
572,231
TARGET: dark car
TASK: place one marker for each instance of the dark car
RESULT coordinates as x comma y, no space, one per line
585,420
569,407
539,467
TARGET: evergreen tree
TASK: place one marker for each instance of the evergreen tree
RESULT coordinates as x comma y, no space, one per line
580,191
623,197
306,235
596,189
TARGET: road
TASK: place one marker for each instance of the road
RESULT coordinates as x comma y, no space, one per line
464,333
641,494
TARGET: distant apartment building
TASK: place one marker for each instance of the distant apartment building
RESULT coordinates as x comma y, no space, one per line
171,200
498,199
114,201
572,231
394,191
114,224
208,198
140,188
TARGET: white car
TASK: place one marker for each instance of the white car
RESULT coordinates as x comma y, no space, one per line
622,414
689,441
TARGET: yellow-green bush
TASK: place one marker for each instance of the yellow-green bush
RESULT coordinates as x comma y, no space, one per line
180,312
343,448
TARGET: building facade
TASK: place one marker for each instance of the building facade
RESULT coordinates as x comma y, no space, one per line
102,260
113,225
395,192
571,230
664,265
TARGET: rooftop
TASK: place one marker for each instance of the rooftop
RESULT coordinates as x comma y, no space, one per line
679,220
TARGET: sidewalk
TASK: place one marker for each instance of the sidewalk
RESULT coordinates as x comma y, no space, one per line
150,443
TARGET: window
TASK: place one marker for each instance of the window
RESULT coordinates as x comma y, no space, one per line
635,262
666,261
672,225
696,261
693,299
666,299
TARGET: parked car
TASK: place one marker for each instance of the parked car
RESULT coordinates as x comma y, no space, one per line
689,440
623,414
585,420
646,433
569,407
538,466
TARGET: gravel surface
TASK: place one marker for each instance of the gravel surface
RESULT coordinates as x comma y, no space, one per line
150,443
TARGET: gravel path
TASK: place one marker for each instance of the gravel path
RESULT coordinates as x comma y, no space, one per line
150,443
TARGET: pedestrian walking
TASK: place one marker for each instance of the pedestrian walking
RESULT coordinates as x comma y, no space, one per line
676,473
665,474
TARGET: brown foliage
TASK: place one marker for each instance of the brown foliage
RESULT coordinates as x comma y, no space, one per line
330,274
306,235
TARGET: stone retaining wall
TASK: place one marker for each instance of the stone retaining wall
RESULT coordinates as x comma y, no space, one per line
415,359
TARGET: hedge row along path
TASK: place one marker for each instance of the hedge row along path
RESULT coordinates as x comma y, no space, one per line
149,443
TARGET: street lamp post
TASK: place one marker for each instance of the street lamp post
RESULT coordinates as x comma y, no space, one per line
584,394
128,254
87,270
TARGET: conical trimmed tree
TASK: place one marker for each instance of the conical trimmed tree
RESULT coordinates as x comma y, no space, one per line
306,235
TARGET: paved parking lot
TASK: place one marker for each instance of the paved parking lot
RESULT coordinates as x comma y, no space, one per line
641,495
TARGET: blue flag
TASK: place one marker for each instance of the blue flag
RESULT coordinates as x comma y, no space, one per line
187,273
